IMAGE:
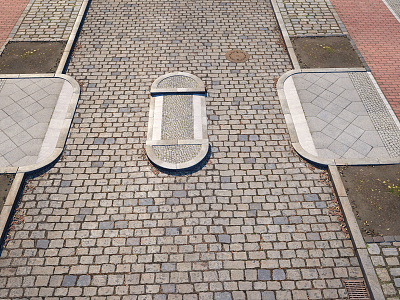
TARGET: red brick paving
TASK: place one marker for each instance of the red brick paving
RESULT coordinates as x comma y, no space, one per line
10,11
376,33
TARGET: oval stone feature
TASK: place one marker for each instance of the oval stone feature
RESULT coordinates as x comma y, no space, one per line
177,131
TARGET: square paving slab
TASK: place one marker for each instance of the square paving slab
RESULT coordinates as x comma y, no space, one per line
32,113
347,117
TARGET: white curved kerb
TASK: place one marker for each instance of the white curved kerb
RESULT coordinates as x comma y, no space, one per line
177,131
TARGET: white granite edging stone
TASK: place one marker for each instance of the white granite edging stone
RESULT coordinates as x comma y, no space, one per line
356,236
56,122
72,37
196,90
298,117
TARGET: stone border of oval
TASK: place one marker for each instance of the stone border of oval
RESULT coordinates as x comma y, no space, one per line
155,125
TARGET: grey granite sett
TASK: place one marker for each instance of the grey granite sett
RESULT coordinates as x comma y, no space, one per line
395,271
390,251
69,280
84,280
278,274
43,244
224,238
374,249
223,296
264,274
397,282
281,220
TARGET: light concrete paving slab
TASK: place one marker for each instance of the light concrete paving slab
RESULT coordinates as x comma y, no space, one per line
33,117
347,117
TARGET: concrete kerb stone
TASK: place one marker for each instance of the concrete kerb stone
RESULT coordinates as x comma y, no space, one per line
63,134
6,212
355,232
356,237
73,36
285,35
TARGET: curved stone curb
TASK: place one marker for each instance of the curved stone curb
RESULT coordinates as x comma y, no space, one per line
6,212
356,237
199,125
62,133
72,37
201,89
293,120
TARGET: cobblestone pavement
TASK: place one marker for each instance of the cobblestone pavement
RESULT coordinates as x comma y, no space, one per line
385,258
315,17
252,224
48,20
376,32
41,20
10,14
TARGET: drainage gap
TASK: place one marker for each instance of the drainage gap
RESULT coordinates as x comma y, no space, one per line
356,289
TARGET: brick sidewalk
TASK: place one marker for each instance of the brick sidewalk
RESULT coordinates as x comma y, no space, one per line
376,33
10,13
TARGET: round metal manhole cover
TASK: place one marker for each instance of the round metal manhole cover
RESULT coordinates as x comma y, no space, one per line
237,56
